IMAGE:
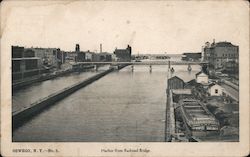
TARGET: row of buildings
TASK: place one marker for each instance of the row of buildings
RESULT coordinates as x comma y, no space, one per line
201,81
191,117
203,108
88,56
31,62
122,55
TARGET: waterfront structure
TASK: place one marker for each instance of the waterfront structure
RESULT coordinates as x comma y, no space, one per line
51,57
195,56
140,56
80,56
175,83
71,56
89,56
215,90
48,55
102,57
97,57
191,84
24,63
156,56
222,55
123,55
179,94
197,117
201,77
61,56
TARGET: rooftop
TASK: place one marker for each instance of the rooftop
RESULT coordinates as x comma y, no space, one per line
222,44
26,58
181,91
175,77
201,72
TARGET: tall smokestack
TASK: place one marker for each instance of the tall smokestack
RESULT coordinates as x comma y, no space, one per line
77,49
100,48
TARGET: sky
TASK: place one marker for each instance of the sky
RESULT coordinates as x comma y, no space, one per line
148,26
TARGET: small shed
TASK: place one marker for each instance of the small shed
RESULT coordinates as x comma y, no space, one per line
175,83
215,90
201,77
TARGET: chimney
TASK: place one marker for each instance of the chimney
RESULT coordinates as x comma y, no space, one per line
100,48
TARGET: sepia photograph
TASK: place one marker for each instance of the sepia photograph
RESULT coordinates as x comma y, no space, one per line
135,75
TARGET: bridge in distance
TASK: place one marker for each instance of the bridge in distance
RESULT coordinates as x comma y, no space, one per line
148,63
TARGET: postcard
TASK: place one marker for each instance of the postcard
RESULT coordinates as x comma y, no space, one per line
124,78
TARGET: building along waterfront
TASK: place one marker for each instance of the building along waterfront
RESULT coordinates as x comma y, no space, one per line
222,56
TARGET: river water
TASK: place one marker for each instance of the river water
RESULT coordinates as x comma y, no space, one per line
123,106
30,94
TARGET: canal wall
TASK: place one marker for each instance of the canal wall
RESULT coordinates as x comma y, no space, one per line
21,116
170,118
122,66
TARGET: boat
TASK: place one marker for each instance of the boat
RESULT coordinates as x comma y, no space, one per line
197,116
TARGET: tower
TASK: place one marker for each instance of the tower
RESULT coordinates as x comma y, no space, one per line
100,48
77,49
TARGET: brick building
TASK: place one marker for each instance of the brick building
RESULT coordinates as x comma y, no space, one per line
123,55
24,63
222,55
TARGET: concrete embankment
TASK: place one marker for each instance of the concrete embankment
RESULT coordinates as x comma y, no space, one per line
21,116
170,118
122,66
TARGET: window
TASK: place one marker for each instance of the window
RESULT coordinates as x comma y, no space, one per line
31,64
16,66
216,91
29,53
